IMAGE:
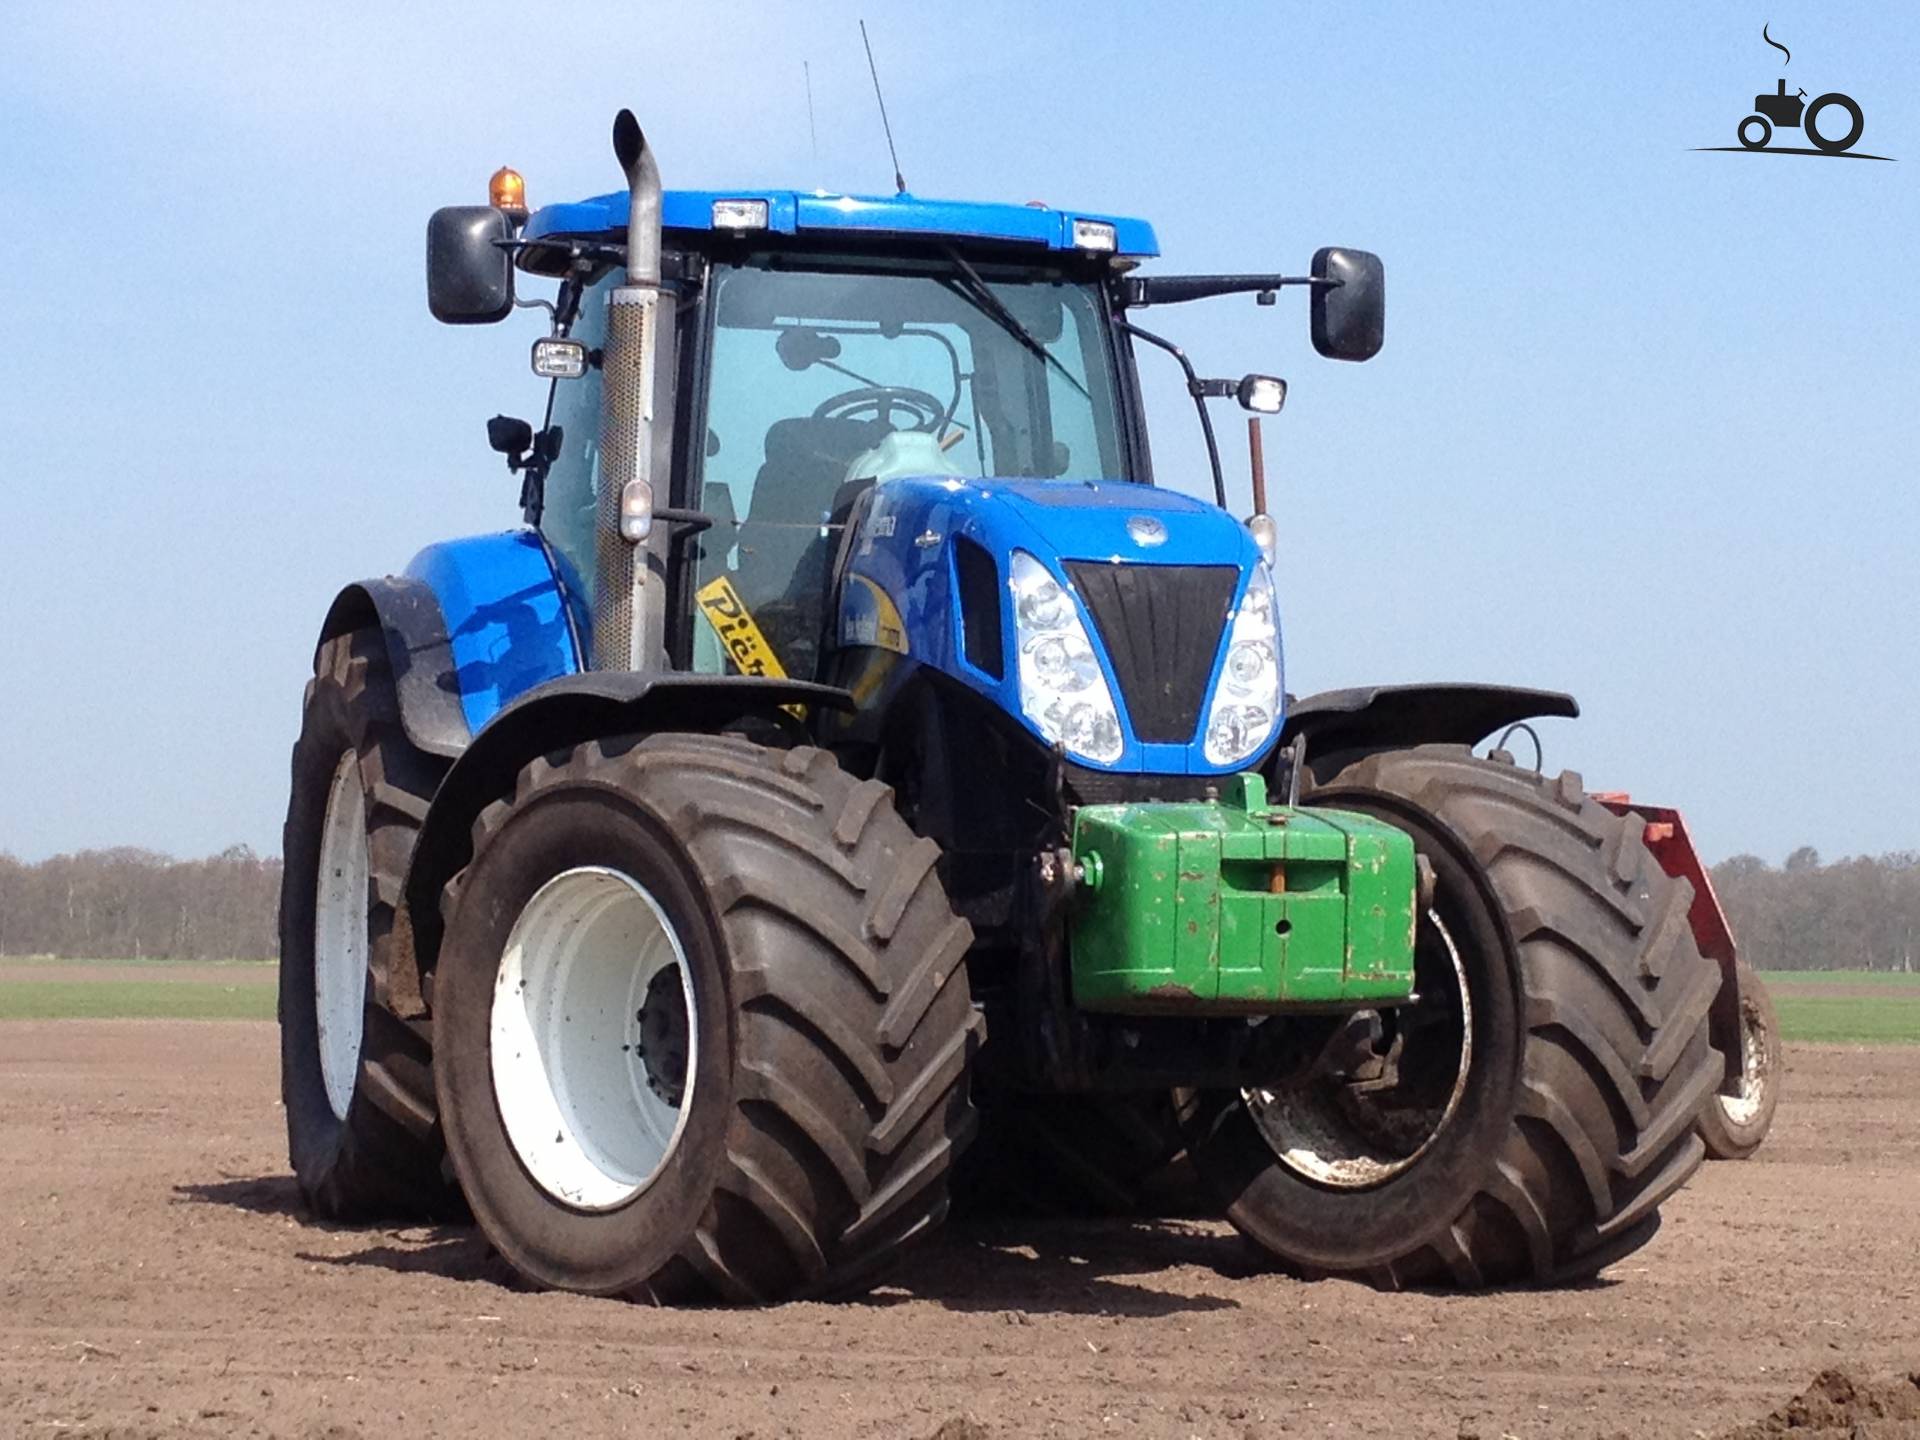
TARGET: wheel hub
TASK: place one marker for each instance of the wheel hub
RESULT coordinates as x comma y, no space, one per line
593,1044
1744,1108
1386,1085
664,1036
340,940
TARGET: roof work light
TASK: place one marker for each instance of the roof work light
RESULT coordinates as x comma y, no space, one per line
739,214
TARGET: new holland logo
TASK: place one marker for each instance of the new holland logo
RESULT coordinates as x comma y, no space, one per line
1819,120
1146,531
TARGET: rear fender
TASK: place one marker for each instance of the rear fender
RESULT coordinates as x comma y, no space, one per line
1666,836
558,715
472,624
425,676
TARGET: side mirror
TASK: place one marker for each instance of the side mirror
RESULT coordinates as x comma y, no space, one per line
1349,317
469,271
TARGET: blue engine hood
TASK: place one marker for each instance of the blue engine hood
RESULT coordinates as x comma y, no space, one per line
1087,520
905,589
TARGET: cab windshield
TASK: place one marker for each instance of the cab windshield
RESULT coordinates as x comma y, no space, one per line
823,381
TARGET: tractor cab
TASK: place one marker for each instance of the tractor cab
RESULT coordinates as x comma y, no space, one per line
813,377
819,360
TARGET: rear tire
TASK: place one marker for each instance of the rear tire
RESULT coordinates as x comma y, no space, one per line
1579,1040
1734,1125
817,1091
1856,122
355,1079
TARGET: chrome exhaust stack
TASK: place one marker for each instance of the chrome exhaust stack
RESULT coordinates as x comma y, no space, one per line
636,430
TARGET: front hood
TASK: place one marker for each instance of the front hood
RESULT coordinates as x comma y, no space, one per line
1160,638
1115,521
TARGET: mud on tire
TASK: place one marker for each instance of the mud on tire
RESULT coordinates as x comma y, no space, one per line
830,1030
383,1156
1589,1062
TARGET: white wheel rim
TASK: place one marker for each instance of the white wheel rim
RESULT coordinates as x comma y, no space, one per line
1744,1108
585,985
340,933
1313,1142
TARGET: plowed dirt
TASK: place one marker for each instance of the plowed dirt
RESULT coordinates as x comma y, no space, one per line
158,1278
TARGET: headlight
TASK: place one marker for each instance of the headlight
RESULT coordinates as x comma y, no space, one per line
1062,689
1246,703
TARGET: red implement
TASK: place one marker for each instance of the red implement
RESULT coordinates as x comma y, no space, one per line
1666,836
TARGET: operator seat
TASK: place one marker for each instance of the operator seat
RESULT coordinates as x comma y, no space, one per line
782,584
902,452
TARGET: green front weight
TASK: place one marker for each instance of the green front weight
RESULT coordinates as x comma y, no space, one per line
1236,906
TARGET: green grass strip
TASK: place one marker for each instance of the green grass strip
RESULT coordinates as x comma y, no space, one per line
1891,979
134,1000
1848,1020
9,962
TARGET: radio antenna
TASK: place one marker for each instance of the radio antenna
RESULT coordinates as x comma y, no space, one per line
899,180
806,70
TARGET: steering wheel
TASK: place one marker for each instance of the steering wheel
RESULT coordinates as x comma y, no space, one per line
878,402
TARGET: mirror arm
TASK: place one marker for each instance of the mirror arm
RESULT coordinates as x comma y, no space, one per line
1197,388
1145,290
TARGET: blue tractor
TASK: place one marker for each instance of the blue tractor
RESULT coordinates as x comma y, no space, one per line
854,752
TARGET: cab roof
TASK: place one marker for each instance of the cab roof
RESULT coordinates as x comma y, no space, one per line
792,212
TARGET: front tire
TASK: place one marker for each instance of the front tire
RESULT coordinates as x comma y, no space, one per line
1525,1120
702,1024
1734,1125
356,1080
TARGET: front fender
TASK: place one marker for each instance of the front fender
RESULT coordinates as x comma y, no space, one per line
557,715
1391,717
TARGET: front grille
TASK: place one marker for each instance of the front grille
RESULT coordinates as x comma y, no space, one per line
1162,626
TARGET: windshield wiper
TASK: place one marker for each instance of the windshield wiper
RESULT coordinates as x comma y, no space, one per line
981,296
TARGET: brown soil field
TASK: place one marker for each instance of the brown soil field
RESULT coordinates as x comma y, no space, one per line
157,1278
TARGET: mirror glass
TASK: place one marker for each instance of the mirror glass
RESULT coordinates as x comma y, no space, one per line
469,268
1349,316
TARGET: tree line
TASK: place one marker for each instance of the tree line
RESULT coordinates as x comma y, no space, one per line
1855,914
127,903
1861,913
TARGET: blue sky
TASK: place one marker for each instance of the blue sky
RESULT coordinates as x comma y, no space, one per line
1646,426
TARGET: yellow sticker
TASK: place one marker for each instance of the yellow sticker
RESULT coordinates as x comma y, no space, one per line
740,634
881,627
745,645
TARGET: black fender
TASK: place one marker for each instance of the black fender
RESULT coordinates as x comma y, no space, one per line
1344,724
418,652
557,715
